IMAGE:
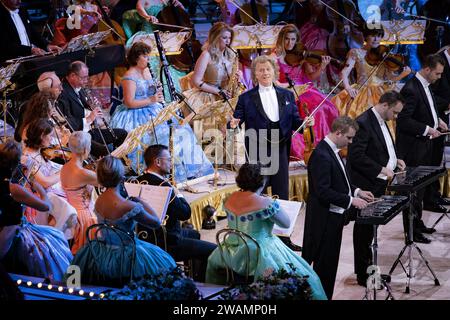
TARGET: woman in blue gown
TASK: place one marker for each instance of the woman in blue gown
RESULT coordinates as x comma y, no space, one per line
255,215
144,16
141,104
108,259
26,248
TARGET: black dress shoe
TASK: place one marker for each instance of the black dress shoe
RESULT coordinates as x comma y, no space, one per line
436,208
420,238
427,230
287,241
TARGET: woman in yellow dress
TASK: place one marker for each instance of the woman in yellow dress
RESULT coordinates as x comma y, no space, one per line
212,78
370,85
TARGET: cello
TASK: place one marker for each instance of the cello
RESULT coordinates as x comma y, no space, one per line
172,15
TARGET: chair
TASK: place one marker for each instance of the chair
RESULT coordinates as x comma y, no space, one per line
223,241
108,237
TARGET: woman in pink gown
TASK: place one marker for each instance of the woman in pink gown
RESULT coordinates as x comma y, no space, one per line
78,184
309,97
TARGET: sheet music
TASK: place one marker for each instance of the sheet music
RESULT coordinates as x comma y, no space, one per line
133,189
155,196
292,208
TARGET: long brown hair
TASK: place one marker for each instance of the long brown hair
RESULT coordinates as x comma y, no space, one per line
213,38
279,46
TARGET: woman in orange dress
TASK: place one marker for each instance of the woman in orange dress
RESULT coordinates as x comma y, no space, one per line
78,184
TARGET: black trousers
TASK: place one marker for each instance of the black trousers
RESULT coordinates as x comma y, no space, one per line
191,247
363,236
98,148
326,261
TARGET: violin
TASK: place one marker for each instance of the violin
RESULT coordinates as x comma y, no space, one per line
296,57
381,54
56,153
192,49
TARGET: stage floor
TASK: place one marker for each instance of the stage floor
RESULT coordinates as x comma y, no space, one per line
390,243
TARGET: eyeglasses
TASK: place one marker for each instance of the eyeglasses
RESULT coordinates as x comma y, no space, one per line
167,158
82,77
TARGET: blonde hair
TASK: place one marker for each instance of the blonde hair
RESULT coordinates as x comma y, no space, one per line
279,46
80,142
264,59
213,39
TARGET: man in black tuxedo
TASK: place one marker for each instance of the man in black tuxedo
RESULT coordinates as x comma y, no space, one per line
17,35
182,243
419,141
73,103
441,88
270,115
330,198
372,159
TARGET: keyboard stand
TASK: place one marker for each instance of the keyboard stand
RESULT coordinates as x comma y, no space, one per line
375,281
410,245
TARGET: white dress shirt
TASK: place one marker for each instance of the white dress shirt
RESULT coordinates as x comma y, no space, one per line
426,86
20,27
179,195
334,208
392,163
270,102
86,125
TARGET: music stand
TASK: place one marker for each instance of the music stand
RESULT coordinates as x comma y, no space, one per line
86,41
6,86
172,41
133,139
259,36
409,241
220,111
403,31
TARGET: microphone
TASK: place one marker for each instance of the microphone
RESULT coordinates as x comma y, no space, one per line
289,80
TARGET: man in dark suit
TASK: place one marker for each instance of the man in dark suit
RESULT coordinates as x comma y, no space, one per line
331,195
182,243
270,115
73,103
419,141
372,159
17,34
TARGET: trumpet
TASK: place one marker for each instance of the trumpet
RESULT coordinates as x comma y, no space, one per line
93,103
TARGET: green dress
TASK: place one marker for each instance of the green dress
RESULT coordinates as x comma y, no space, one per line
273,255
131,21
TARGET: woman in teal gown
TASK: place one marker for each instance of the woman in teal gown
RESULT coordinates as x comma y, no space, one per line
144,15
106,260
141,104
255,215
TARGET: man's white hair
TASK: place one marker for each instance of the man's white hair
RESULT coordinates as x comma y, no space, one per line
45,80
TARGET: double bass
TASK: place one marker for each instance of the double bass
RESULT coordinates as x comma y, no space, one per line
192,48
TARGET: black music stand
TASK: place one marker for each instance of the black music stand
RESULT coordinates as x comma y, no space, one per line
399,185
365,216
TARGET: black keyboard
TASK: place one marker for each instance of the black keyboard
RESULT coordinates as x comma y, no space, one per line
382,212
416,178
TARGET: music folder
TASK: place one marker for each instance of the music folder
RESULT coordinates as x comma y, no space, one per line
292,209
157,197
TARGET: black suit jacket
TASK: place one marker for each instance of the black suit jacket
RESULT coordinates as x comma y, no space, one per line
327,185
9,37
249,110
72,106
368,153
412,120
441,88
177,210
